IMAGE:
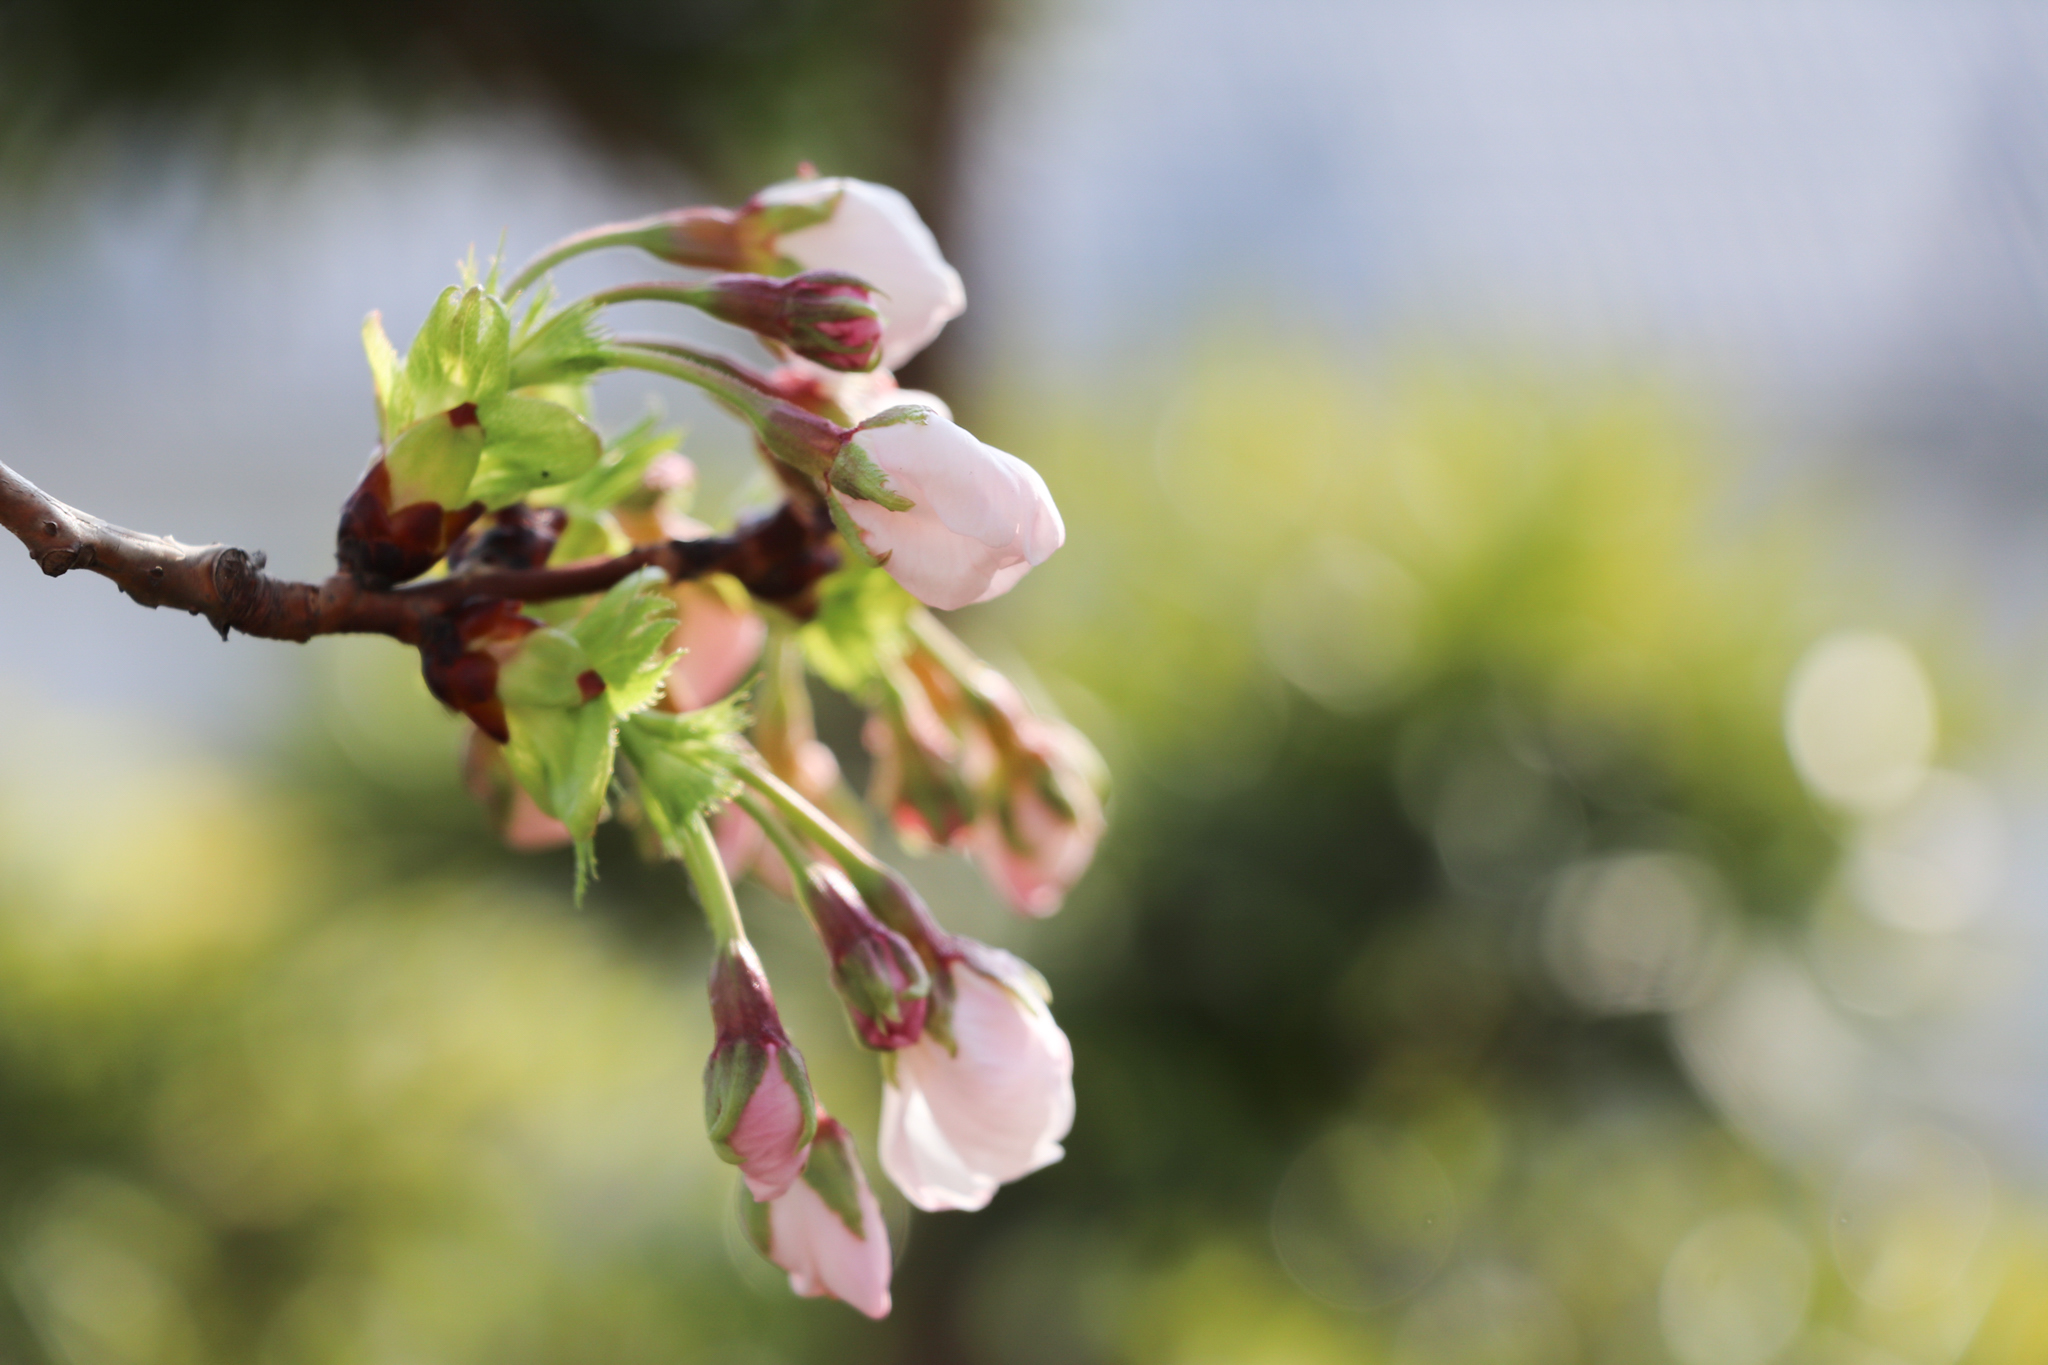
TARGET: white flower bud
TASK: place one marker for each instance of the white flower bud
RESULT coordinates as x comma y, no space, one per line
959,1123
954,520
874,233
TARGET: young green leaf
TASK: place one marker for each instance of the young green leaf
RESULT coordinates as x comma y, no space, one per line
434,459
547,670
684,763
564,760
861,611
568,348
617,476
624,634
530,443
461,355
383,358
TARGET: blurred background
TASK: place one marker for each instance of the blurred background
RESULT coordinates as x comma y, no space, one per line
1553,490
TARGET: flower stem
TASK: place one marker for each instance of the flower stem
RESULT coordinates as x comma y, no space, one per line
714,888
862,868
636,233
797,438
793,854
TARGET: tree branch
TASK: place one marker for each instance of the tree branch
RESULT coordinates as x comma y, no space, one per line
778,558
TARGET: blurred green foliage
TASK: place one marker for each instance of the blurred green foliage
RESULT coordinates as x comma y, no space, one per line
298,1066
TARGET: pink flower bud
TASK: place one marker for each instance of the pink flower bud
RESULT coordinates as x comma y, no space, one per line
826,1229
954,520
757,1095
715,644
825,316
1038,833
873,233
916,779
989,1101
875,970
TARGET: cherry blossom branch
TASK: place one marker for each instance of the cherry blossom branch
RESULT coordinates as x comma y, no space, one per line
778,558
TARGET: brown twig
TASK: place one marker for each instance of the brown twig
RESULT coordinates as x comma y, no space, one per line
778,558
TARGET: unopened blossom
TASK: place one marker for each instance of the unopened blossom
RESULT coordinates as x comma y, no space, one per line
953,519
874,968
917,776
990,1102
876,235
826,1229
827,317
1037,832
757,1096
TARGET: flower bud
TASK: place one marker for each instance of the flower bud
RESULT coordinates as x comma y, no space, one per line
988,1102
1039,784
916,779
825,316
757,1096
873,233
826,1229
953,520
655,508
1038,832
876,972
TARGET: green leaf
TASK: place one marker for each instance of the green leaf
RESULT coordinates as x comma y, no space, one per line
568,348
859,625
617,475
530,443
684,763
588,537
754,1221
461,355
564,760
433,460
383,359
624,633
544,671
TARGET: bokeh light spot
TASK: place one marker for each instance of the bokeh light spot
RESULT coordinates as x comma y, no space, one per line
1365,1217
1634,933
1735,1291
1860,720
1933,865
1911,1211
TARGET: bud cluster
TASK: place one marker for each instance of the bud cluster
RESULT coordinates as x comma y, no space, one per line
619,659
962,760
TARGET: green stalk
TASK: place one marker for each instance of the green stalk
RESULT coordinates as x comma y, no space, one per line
576,244
862,868
714,889
793,854
797,438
